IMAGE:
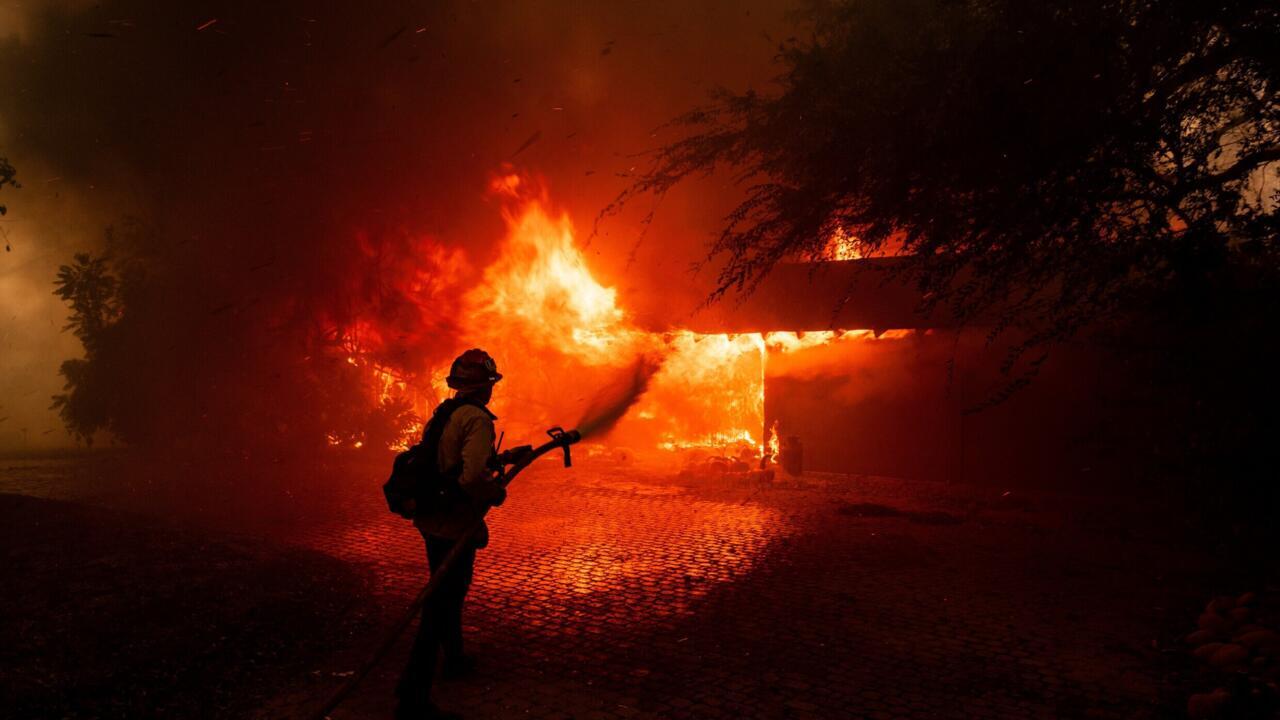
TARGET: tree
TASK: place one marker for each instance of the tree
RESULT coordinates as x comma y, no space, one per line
1040,167
8,176
93,292
1048,162
163,370
101,391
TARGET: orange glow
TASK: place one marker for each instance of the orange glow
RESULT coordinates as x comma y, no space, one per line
590,548
709,394
559,334
841,246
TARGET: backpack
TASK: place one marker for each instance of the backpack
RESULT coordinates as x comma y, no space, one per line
416,475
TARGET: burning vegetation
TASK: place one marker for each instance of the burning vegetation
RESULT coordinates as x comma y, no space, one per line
561,335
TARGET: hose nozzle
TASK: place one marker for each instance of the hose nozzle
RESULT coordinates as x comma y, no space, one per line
564,438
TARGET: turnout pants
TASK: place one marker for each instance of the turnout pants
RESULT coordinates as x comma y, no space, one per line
441,624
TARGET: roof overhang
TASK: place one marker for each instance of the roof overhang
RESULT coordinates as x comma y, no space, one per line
874,293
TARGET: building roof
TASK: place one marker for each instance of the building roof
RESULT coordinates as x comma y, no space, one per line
838,295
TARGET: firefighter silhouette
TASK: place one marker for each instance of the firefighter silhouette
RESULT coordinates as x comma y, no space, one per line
464,455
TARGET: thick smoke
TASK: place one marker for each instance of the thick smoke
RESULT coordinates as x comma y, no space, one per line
285,160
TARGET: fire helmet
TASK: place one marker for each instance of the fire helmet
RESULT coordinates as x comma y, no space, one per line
473,370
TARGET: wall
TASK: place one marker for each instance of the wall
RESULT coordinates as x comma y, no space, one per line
895,407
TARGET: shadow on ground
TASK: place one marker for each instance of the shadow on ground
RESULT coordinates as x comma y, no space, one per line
107,614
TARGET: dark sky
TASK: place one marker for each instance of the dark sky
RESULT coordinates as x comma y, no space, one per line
258,139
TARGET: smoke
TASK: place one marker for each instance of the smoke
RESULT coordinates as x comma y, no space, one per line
288,158
610,403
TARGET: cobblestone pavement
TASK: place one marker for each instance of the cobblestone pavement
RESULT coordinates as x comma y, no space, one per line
614,592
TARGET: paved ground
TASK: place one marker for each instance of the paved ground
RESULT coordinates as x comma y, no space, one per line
109,615
618,592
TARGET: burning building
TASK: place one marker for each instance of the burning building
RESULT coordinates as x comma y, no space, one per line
832,353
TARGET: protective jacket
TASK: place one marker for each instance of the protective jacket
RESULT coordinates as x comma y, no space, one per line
467,442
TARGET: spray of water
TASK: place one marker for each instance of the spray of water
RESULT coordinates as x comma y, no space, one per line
612,402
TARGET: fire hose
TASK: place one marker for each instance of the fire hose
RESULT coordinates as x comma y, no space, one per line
518,458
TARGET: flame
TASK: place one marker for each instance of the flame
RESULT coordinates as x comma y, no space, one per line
841,246
772,448
558,333
713,441
541,282
708,394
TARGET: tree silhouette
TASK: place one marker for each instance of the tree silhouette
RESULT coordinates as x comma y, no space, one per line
1045,162
88,286
1039,167
153,375
93,293
8,176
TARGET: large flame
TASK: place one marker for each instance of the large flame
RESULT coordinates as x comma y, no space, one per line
559,335
541,288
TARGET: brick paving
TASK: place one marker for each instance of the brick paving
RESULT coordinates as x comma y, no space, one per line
619,592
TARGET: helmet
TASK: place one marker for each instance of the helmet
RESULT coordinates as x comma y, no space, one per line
473,370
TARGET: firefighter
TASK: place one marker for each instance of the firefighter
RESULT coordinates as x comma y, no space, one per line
465,449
